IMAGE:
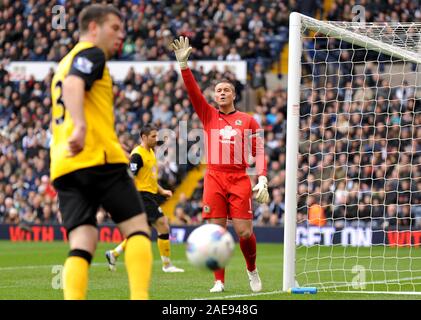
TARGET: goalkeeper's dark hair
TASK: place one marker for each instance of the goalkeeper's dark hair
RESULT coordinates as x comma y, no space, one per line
97,13
226,81
146,130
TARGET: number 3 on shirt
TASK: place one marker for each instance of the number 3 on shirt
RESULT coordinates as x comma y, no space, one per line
60,110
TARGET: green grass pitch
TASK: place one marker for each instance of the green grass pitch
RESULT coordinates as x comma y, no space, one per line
30,270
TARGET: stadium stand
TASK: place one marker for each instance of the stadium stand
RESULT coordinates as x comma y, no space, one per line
255,31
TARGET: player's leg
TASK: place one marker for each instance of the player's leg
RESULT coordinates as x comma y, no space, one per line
157,219
164,244
244,230
113,254
82,240
78,208
138,255
215,210
242,219
219,285
122,201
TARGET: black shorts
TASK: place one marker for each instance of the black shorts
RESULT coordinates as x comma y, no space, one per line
151,202
82,192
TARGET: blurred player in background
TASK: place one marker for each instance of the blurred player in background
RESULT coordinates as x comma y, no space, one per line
144,166
88,164
227,187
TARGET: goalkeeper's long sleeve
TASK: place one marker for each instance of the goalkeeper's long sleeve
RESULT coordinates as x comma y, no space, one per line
200,105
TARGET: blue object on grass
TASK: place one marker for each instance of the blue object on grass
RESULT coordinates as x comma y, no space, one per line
302,290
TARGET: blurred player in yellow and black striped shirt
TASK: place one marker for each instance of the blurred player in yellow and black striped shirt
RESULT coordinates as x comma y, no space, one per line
144,166
88,164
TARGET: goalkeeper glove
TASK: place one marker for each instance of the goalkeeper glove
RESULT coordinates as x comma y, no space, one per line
182,51
261,187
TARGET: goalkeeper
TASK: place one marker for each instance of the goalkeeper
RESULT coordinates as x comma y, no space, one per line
227,188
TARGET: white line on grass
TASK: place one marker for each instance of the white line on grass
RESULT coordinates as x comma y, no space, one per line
332,287
42,266
241,295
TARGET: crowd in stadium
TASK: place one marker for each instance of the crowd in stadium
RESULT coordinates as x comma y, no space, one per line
233,30
360,159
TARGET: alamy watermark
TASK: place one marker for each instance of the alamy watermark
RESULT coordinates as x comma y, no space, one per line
359,12
359,280
57,280
58,21
227,145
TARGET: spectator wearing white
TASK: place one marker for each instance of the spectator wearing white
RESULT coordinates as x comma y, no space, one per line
341,194
255,23
8,205
404,92
131,94
12,217
233,55
222,14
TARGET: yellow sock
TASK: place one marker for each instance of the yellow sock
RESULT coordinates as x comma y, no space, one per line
138,259
120,248
75,276
164,250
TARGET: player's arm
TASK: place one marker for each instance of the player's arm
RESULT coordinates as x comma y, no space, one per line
182,51
258,151
136,163
87,67
164,192
73,97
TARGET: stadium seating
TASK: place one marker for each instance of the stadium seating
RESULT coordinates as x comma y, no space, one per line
26,34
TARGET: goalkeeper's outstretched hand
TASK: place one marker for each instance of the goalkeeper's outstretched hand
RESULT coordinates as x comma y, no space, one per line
262,195
182,51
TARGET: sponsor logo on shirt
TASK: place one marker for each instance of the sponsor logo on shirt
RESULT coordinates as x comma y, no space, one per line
226,134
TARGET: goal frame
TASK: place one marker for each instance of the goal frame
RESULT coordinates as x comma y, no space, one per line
296,22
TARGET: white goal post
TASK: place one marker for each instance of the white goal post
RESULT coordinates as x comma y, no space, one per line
352,191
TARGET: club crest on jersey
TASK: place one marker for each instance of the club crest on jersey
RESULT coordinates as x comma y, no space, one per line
83,65
238,122
206,209
226,134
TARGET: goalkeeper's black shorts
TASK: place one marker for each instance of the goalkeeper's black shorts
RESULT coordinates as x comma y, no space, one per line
82,192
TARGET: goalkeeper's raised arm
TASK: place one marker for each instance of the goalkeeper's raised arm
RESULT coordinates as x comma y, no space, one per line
182,50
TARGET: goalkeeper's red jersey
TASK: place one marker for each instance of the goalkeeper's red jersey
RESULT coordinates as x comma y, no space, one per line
231,138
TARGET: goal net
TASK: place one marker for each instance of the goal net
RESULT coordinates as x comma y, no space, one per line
353,170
